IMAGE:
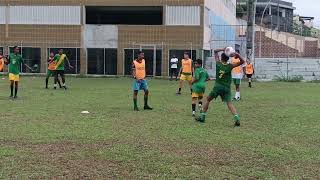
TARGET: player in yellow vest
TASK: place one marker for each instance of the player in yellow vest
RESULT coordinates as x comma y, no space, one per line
186,72
1,62
139,74
237,75
249,72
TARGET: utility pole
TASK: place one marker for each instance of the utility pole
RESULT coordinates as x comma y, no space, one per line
251,9
278,18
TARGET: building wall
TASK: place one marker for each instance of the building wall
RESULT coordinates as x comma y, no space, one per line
219,23
42,33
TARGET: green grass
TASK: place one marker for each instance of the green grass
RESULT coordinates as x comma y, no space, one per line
43,134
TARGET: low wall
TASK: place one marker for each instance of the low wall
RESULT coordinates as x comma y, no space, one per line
268,68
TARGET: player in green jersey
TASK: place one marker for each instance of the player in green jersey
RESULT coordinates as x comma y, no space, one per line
198,85
14,60
59,60
222,84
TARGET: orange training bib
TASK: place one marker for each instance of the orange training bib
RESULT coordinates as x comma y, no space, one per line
140,69
186,65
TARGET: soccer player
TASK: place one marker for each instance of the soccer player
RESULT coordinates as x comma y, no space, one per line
174,67
1,62
249,72
51,69
14,60
59,60
198,85
222,85
237,74
186,72
140,83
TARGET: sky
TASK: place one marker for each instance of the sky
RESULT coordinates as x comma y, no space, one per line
308,8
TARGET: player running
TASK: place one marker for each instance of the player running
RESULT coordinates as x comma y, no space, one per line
198,85
14,60
237,74
139,74
222,85
59,60
186,72
249,72
51,69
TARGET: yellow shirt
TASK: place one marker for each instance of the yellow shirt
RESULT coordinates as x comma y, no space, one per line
186,66
140,69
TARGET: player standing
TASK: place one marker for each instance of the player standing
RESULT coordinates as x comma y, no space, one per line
51,69
174,67
14,60
59,60
249,72
139,74
237,74
198,85
222,85
186,72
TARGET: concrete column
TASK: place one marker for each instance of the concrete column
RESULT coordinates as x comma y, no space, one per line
44,56
165,61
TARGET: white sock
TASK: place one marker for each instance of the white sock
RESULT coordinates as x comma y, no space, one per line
237,95
63,84
55,85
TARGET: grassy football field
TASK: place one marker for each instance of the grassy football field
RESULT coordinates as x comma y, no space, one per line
44,135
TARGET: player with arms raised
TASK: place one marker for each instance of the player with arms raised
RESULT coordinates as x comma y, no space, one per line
222,85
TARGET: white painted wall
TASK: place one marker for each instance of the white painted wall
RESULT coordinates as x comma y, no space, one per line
48,15
101,36
2,14
183,15
268,68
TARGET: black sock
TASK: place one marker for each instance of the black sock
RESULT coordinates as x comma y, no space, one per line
11,88
193,107
145,100
47,80
59,84
191,90
16,92
179,89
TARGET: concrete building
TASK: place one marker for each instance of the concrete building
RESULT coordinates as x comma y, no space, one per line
103,37
277,12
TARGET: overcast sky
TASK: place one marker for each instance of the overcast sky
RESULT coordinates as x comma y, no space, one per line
308,8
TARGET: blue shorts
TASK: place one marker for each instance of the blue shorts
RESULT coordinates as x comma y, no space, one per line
140,85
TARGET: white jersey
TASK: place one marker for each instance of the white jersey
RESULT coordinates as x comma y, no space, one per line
174,63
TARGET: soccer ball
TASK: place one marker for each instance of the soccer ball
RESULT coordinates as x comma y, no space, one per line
229,51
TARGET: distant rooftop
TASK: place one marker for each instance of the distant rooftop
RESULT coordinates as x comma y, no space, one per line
283,4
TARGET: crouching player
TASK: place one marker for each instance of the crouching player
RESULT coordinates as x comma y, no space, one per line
222,85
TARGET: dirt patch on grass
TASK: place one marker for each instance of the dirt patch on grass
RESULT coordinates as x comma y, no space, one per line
64,162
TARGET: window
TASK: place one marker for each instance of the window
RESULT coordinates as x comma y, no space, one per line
129,15
31,57
73,55
102,61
